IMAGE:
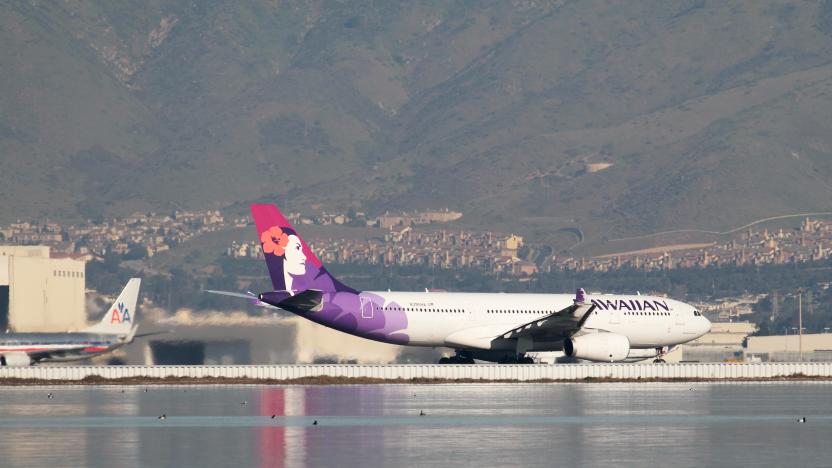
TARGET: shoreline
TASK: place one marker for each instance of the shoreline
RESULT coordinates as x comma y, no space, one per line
327,380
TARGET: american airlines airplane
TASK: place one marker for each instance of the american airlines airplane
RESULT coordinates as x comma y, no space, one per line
493,327
115,329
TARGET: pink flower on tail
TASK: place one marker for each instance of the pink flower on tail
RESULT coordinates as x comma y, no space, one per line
274,241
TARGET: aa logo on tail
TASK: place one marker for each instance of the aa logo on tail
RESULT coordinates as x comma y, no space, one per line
120,314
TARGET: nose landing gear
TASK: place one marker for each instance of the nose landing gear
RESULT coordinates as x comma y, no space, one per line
660,353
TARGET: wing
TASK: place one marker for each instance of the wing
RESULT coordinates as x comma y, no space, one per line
62,353
559,325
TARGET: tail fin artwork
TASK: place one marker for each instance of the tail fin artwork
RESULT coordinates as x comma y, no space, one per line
303,286
121,316
293,266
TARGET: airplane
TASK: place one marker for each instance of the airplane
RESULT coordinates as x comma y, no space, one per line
494,327
115,329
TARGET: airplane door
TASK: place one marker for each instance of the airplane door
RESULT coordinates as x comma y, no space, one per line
615,317
366,307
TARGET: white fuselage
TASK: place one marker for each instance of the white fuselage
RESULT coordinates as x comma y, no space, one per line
473,320
42,347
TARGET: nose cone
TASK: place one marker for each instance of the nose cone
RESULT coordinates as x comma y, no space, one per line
706,325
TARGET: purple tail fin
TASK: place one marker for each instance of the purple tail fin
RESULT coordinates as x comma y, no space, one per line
292,265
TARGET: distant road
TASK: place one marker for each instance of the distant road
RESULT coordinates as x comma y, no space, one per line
660,249
699,231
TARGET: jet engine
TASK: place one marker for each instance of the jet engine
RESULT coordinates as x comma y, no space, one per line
15,359
601,347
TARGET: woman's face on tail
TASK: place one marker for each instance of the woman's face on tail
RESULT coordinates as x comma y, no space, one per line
295,259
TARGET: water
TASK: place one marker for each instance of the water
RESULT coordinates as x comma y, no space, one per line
379,425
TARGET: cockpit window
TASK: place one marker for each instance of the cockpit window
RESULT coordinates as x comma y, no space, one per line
696,313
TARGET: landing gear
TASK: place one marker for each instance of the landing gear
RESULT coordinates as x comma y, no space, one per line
461,357
660,352
467,357
519,359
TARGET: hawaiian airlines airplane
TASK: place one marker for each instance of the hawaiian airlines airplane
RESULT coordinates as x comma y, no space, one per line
493,327
115,329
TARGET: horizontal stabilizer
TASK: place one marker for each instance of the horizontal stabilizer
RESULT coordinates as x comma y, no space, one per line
231,294
311,300
251,297
142,335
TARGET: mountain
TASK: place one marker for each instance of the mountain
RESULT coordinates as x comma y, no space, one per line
706,115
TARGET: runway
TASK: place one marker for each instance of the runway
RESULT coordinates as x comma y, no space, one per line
432,372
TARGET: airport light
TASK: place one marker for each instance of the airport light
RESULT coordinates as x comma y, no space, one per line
800,322
794,332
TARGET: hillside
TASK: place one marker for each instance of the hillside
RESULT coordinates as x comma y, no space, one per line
712,114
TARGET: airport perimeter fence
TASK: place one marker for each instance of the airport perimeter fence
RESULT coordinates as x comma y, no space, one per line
492,372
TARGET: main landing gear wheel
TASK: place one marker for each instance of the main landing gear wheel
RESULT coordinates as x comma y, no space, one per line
516,360
659,361
458,359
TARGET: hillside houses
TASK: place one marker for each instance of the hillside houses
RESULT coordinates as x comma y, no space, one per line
811,242
404,246
144,233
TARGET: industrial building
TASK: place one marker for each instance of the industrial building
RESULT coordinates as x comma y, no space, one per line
723,343
735,341
40,293
211,338
815,347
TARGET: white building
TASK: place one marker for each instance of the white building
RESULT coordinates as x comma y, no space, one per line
39,293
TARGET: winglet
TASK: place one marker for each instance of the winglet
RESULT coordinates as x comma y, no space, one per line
580,296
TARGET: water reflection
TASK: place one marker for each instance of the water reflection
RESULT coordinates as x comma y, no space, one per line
379,425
